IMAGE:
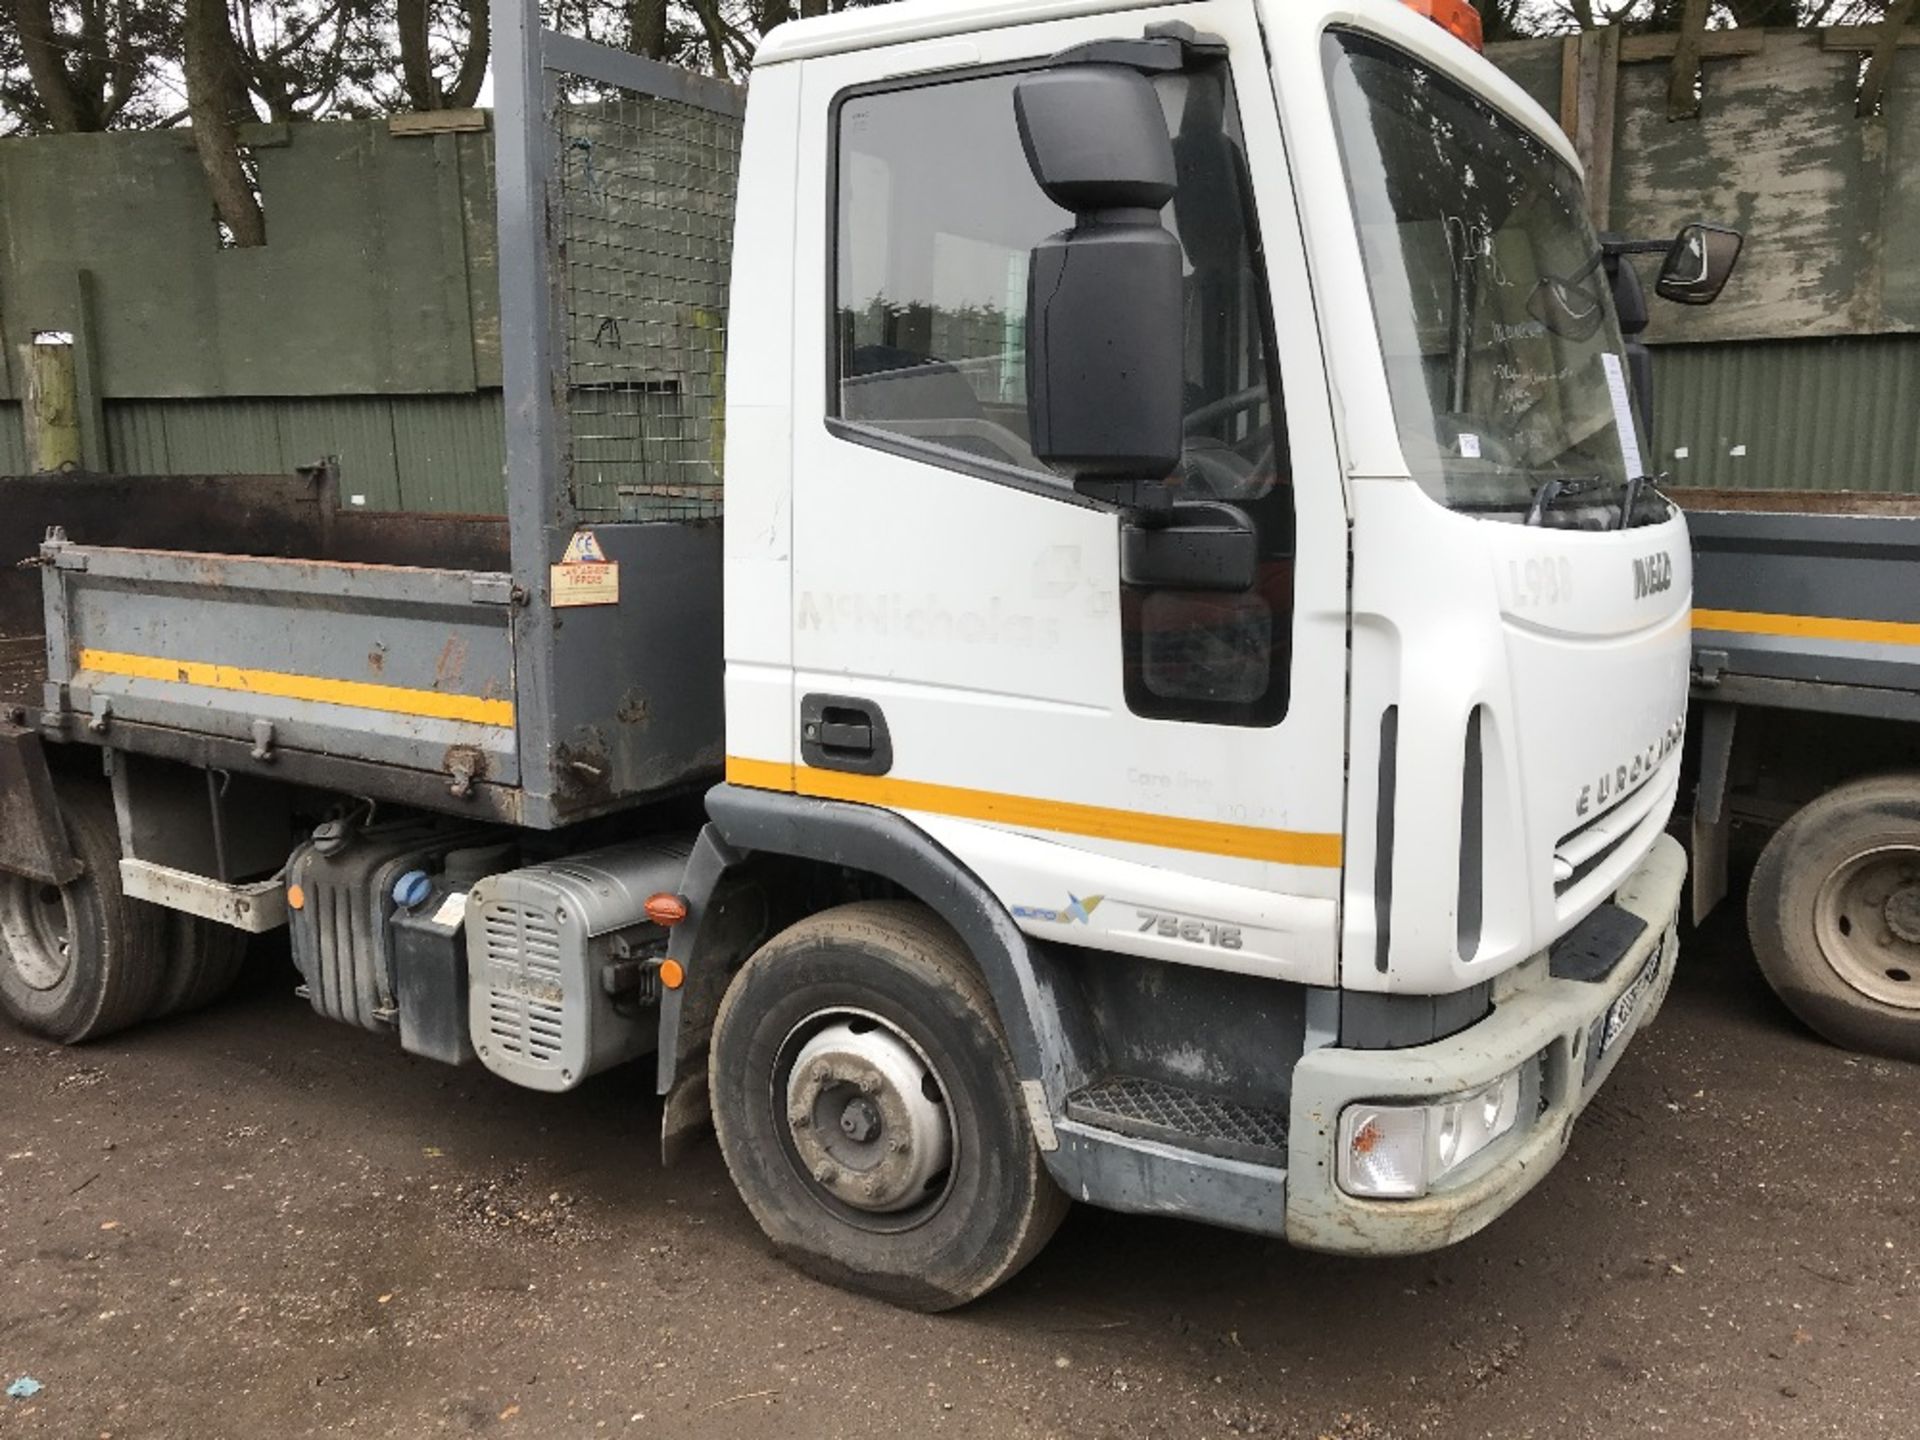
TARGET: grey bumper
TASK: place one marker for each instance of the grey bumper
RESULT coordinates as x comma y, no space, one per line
1554,1020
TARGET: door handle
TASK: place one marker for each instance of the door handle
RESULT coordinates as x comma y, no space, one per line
842,732
853,736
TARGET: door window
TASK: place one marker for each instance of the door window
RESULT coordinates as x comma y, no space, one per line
936,215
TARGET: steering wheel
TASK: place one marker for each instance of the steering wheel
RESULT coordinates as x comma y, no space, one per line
1217,469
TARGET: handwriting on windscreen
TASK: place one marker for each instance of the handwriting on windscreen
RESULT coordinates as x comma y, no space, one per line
1471,243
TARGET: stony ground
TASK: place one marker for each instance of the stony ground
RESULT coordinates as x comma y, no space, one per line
252,1223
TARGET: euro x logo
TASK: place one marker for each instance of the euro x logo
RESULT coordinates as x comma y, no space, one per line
1077,912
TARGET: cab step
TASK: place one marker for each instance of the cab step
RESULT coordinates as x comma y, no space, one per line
1151,1109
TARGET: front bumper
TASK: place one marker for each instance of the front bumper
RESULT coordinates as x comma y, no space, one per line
1554,1020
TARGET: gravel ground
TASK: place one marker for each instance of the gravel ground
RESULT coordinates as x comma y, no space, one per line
253,1223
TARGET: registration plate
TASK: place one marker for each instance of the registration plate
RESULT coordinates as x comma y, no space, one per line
1620,1014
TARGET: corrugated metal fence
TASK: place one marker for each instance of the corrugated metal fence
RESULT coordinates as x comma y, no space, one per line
367,328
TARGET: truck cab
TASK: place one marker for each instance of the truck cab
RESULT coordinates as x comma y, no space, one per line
1197,663
1345,870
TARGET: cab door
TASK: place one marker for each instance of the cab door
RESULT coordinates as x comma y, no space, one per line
1140,769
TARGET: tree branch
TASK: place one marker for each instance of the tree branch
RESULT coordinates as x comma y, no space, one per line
1873,82
214,91
473,68
47,66
416,60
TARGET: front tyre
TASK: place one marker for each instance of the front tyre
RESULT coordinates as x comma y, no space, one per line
1834,915
869,1113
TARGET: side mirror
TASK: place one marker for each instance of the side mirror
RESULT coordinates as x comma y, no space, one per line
1199,545
1630,307
1698,264
1105,299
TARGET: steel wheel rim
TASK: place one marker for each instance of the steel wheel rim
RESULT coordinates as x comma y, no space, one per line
1867,922
804,1151
36,925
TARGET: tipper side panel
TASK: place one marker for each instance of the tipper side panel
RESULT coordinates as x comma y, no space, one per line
616,180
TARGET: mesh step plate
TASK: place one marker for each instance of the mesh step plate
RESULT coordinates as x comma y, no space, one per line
1155,1110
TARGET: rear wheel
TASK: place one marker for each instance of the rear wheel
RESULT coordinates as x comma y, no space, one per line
1834,915
203,962
79,961
869,1113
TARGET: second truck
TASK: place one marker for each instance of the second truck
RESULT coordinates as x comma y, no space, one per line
1193,665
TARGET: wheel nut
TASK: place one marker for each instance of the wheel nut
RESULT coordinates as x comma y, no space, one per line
869,1085
799,1119
870,1189
896,1146
826,1174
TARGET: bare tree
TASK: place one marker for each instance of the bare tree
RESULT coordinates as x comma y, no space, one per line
81,64
647,28
1502,19
305,58
217,100
427,40
714,25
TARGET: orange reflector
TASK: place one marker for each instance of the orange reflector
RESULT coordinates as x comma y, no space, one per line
1457,17
672,974
668,910
296,898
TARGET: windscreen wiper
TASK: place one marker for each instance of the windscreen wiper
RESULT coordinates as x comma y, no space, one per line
1553,488
1632,496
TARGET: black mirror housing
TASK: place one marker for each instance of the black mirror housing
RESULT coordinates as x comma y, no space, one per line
1096,138
1104,361
1202,545
1105,299
1629,297
1698,264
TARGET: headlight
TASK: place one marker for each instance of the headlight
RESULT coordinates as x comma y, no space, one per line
1400,1152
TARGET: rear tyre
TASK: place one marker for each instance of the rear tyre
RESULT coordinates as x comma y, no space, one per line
869,1113
203,962
1834,915
79,961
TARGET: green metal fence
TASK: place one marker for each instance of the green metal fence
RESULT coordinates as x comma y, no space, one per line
367,328
1840,414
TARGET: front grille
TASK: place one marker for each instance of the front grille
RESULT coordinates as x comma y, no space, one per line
526,999
1580,852
1156,1110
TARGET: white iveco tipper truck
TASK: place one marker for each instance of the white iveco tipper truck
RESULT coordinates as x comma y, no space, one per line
1201,667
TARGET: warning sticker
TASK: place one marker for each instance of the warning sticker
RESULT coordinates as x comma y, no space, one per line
584,549
584,575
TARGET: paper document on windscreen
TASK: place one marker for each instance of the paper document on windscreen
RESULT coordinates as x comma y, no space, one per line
1623,413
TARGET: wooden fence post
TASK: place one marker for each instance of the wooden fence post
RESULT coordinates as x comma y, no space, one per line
53,410
1589,85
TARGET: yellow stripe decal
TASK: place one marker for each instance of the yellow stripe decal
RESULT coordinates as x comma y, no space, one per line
1172,832
1808,627
392,699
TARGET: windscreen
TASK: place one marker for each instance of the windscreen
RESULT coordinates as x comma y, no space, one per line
1503,353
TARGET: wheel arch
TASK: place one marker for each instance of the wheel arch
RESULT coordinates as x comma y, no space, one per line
751,874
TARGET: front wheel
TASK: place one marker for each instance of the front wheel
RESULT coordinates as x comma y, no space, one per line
869,1113
1834,915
